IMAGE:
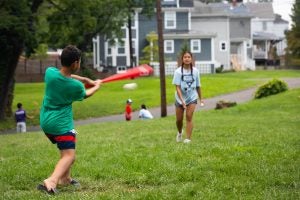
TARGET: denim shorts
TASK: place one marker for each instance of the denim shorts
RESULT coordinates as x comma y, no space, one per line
63,141
177,104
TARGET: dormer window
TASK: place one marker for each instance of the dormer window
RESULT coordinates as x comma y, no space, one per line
170,20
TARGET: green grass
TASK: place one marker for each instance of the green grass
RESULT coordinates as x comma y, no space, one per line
111,98
250,151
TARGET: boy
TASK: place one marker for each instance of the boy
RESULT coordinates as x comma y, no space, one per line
56,116
128,110
20,116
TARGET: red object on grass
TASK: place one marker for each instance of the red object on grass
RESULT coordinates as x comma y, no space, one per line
141,70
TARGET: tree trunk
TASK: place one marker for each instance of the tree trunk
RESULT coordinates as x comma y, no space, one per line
163,95
9,56
130,41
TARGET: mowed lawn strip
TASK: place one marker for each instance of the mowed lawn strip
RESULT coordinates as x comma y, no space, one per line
250,151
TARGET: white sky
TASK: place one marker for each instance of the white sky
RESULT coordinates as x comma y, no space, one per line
284,8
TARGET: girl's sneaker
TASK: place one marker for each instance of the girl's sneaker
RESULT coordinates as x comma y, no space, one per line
179,137
186,141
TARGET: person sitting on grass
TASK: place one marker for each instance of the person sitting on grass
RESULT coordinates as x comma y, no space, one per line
144,113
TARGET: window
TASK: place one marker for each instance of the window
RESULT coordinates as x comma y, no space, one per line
170,20
169,46
121,48
133,46
249,44
195,46
223,46
264,26
109,49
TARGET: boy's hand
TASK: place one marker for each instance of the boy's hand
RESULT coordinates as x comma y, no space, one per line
90,83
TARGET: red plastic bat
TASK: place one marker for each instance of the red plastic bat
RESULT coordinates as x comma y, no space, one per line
142,70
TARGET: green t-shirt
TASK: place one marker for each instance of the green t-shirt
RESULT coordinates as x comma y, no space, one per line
56,116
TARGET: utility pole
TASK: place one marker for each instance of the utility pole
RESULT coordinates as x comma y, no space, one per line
161,60
130,33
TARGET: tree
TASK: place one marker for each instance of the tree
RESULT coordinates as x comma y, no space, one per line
150,51
293,36
17,31
60,23
147,9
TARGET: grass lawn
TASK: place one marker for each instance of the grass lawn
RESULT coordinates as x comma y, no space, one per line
111,98
250,151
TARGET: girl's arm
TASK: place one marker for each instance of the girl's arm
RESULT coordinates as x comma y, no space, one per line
178,90
200,95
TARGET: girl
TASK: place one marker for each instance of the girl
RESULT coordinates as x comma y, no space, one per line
187,82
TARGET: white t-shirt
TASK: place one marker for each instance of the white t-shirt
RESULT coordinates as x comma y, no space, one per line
145,114
188,81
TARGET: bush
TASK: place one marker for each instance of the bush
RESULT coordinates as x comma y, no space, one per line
272,87
219,69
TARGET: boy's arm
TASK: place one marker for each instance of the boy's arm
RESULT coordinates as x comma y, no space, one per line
89,92
83,79
95,84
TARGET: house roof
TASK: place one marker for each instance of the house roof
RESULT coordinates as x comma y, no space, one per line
220,9
279,20
261,10
265,36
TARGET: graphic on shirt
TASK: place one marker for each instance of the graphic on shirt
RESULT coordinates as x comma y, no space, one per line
188,79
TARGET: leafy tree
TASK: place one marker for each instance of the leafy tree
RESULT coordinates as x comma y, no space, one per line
150,51
293,36
184,48
59,23
17,31
148,10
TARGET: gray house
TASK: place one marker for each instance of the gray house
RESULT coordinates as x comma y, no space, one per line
268,32
177,30
230,24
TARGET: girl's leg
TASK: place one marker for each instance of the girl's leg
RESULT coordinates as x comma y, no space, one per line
189,120
62,168
179,118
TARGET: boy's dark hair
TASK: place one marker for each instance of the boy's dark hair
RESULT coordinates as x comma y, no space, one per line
143,106
19,105
69,55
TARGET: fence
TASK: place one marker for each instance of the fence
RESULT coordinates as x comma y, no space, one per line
170,67
33,70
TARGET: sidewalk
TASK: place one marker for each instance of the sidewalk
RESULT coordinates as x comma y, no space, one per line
238,97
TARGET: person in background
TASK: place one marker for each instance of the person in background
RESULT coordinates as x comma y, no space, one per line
20,117
128,110
144,113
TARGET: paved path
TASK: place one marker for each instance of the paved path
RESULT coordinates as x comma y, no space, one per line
238,97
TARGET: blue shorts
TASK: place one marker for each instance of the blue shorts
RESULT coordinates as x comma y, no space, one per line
63,141
177,104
